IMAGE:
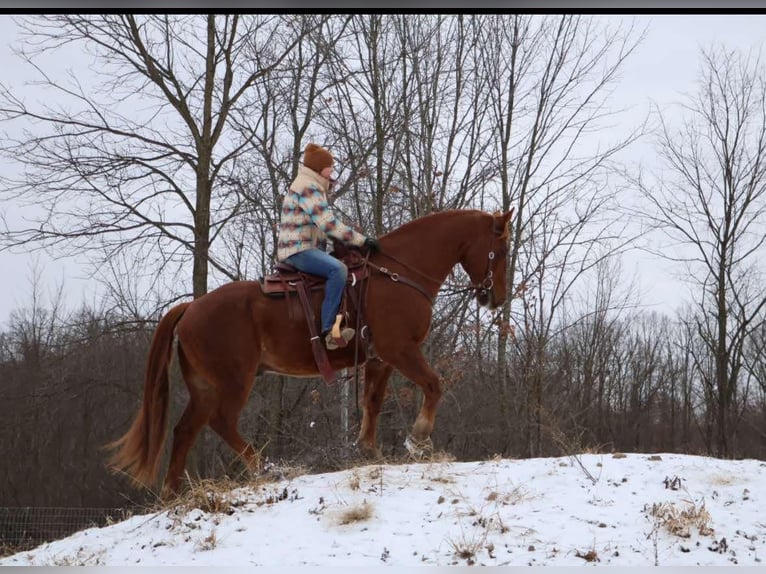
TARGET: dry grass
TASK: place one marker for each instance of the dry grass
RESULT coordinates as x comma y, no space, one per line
207,495
680,521
8,549
442,479
277,472
441,457
354,480
80,558
358,513
215,496
467,546
375,473
515,496
208,543
723,479
595,449
589,556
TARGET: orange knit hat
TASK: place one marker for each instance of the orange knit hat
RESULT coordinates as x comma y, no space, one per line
316,157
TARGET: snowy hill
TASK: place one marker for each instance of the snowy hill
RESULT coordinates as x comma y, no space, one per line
630,510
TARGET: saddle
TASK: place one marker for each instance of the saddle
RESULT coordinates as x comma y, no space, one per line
286,280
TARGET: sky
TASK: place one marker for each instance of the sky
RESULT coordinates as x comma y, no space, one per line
664,68
620,509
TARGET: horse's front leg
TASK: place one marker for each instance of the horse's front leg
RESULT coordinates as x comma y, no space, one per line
376,374
414,366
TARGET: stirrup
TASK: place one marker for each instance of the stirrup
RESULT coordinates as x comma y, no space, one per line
332,343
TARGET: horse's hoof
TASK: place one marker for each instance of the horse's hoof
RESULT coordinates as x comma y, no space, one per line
169,495
369,453
419,449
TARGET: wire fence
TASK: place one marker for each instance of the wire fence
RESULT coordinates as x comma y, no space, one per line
23,528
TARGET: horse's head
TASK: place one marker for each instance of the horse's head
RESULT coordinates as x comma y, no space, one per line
486,261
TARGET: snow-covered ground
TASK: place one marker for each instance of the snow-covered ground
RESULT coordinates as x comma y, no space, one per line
629,510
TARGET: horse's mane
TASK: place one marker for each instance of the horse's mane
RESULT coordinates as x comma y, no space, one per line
432,219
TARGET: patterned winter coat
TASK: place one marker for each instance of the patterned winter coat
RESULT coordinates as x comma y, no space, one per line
307,218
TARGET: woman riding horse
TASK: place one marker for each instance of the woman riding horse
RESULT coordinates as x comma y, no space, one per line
230,335
306,222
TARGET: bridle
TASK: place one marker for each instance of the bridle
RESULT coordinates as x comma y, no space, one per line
480,289
483,288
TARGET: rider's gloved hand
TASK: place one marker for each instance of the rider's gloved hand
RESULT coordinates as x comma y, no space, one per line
372,244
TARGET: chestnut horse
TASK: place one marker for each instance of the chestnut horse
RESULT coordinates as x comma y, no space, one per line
230,335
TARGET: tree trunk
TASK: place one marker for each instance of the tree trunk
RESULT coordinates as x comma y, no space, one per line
201,235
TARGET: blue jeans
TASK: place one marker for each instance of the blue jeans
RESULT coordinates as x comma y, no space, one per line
335,271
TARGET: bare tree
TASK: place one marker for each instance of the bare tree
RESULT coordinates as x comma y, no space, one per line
548,87
133,161
755,357
444,161
363,114
593,343
711,206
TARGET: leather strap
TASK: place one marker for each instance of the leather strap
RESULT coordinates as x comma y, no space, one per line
320,353
395,277
288,299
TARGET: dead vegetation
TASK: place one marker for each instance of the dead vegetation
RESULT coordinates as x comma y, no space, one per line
208,495
208,543
589,556
516,495
357,513
679,521
224,495
467,545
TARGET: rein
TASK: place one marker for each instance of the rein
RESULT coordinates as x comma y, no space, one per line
396,278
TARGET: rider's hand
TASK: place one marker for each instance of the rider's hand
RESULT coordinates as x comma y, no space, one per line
372,244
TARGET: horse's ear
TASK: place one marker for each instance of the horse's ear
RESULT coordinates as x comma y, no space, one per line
506,219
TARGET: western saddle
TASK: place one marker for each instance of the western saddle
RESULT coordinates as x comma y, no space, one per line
286,280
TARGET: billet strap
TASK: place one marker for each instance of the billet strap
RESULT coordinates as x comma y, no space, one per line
320,353
288,300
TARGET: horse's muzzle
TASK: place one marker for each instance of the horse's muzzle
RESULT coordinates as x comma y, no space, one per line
484,298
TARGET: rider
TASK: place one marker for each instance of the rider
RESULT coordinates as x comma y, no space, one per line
306,221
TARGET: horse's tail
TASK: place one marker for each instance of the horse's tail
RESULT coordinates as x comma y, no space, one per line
138,452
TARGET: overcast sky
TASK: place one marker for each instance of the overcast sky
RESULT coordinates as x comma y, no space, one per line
664,68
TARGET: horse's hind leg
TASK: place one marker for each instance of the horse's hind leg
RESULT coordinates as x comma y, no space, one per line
376,374
414,366
224,422
202,400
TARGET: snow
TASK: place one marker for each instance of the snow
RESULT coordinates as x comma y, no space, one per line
589,509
